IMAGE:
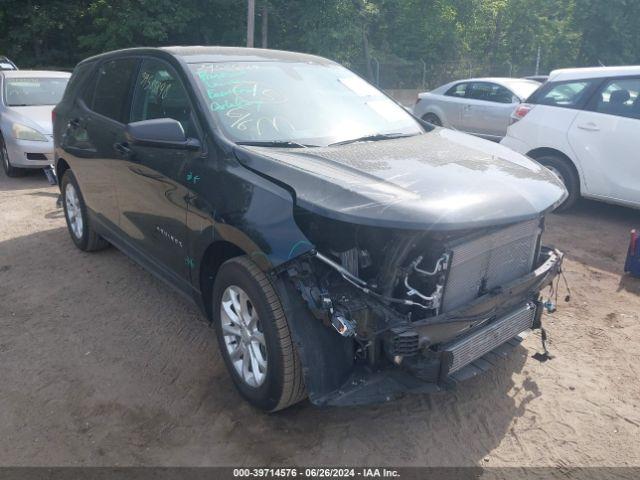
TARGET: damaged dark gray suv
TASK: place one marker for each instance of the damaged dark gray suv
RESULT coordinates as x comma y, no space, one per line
343,250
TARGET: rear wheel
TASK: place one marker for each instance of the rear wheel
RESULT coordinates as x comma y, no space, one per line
567,174
75,212
254,337
433,119
10,170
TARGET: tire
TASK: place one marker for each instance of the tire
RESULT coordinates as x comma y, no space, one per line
433,119
563,169
263,341
9,169
75,213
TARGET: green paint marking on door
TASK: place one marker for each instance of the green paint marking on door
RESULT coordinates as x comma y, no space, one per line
192,178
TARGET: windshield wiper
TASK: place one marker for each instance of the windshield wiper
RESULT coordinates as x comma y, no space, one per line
374,137
276,143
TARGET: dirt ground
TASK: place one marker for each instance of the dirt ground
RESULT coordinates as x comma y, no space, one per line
102,364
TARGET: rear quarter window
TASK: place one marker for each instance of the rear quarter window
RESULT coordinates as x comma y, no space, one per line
489,92
77,80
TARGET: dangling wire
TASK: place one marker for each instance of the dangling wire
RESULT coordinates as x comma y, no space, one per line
566,284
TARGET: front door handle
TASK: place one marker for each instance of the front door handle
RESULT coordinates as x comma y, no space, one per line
591,127
122,149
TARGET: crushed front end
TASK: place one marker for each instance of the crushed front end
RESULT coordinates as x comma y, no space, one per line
417,310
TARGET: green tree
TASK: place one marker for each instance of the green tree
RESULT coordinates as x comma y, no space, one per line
452,37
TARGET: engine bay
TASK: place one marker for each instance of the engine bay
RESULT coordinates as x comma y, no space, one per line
398,294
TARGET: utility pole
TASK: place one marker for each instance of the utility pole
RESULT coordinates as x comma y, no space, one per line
538,61
265,25
251,22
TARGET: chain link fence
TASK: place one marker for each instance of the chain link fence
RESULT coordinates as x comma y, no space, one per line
403,79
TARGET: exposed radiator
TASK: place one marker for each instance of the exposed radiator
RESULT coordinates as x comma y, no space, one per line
489,261
462,352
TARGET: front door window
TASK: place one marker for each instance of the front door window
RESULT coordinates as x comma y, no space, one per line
159,93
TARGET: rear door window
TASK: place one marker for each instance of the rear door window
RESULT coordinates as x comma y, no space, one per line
566,94
458,90
489,92
111,96
620,97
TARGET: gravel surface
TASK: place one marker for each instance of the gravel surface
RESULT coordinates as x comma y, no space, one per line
102,364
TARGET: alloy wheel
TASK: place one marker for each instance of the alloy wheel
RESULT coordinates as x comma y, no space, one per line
73,210
243,336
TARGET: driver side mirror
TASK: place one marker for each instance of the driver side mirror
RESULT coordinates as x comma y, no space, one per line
160,133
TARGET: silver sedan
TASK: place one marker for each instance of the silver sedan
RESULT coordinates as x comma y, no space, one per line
481,106
26,101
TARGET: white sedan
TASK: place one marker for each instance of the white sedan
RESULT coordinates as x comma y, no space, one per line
584,124
26,102
480,106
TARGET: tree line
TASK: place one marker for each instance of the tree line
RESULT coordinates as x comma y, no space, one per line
59,33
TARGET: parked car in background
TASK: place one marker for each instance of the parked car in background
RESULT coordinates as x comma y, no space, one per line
584,124
537,78
26,135
341,249
6,64
481,106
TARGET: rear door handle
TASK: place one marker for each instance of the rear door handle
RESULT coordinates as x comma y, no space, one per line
122,149
591,127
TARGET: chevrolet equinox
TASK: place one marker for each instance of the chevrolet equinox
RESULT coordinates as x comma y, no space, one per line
343,250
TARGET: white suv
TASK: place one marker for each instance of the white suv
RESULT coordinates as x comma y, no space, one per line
584,124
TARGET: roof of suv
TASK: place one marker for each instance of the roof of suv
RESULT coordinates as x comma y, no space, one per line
201,54
593,72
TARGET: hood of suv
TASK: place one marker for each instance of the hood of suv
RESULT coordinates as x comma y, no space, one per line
441,180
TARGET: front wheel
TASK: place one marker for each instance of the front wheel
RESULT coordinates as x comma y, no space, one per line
75,212
254,337
9,169
433,119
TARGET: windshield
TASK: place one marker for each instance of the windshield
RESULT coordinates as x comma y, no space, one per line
307,104
523,88
24,92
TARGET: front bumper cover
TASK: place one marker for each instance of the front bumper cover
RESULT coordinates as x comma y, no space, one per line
427,373
20,151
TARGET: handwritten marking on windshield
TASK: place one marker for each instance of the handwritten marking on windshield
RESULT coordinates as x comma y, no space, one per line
244,102
242,120
208,77
237,90
228,105
273,122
